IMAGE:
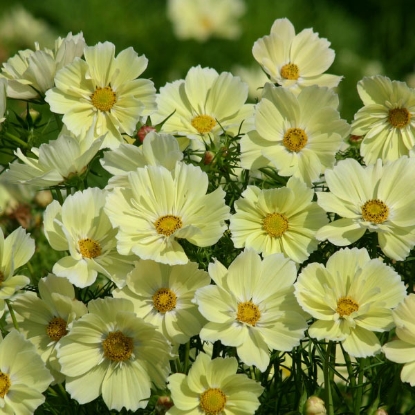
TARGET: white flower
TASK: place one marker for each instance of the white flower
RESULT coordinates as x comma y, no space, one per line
295,61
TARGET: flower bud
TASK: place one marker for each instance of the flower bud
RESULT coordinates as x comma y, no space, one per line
143,131
314,406
164,403
208,157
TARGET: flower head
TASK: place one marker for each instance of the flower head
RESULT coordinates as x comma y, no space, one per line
387,120
378,198
102,91
295,61
278,220
202,19
81,227
351,298
112,352
162,295
31,73
160,206
23,376
298,135
252,307
213,387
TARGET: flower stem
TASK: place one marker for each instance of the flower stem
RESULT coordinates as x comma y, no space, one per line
186,358
359,389
330,352
16,140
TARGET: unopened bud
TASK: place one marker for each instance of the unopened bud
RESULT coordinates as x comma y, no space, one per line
164,403
33,114
314,406
143,131
355,139
208,157
381,411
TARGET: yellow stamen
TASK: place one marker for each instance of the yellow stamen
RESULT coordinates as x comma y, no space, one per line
103,99
89,248
295,139
248,313
168,224
346,306
275,224
203,123
290,71
399,117
4,384
118,347
164,300
212,401
375,211
56,328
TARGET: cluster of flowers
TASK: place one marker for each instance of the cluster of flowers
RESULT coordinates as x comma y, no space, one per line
134,232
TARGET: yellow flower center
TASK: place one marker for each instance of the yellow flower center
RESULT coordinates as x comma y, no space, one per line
346,306
290,71
168,224
118,347
375,211
203,123
212,401
103,99
295,139
56,329
248,313
4,384
164,300
275,224
89,248
399,117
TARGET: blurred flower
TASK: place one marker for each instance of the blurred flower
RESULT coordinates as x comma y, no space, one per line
102,91
204,106
202,19
113,353
160,206
295,61
23,375
15,251
45,320
165,299
378,198
298,135
157,150
314,406
387,120
19,29
278,220
81,227
254,77
213,387
402,351
58,162
252,307
350,298
31,73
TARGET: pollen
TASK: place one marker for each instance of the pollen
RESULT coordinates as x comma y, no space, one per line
295,139
4,384
399,117
168,224
103,99
118,347
56,329
275,224
375,211
248,313
346,306
203,123
89,248
212,401
290,71
164,300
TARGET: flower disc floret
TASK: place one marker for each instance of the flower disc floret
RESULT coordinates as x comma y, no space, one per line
56,329
103,99
168,224
290,71
212,401
203,123
89,248
118,347
248,313
295,139
5,384
346,306
375,211
164,300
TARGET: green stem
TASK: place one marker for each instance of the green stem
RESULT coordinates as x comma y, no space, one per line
359,389
57,194
16,139
328,377
58,121
12,315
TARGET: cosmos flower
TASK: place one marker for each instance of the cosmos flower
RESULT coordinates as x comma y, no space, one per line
213,387
102,92
351,298
295,61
